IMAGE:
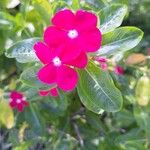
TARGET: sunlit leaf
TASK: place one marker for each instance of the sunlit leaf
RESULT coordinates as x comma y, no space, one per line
97,90
23,51
111,17
120,40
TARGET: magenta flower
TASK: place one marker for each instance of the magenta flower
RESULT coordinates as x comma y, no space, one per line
104,66
119,70
58,68
77,32
18,101
103,62
101,59
53,92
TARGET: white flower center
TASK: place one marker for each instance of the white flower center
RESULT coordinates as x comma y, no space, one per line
23,99
73,33
57,61
18,101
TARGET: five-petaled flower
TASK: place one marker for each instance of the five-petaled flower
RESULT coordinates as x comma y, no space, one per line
58,68
77,32
17,101
65,45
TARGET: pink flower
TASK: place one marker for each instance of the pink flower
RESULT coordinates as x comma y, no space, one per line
59,68
104,66
53,92
18,101
101,59
119,70
103,62
77,32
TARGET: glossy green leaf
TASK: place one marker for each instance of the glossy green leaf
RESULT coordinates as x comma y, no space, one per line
111,17
23,51
120,40
29,77
97,90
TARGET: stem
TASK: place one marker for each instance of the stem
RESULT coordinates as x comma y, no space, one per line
78,135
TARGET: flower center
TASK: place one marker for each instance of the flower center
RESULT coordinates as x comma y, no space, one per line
57,61
18,101
73,33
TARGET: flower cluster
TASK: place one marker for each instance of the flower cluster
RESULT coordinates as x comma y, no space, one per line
18,101
65,46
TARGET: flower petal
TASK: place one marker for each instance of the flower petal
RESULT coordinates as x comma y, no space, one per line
90,41
43,52
43,92
54,36
12,104
64,19
80,62
16,95
25,103
70,51
54,92
85,20
67,78
20,107
47,74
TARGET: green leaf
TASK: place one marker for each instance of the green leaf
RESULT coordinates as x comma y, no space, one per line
44,8
5,20
97,90
142,117
34,119
29,77
120,40
23,51
111,17
75,4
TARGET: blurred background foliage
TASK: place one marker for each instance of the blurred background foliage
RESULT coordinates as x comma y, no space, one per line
65,124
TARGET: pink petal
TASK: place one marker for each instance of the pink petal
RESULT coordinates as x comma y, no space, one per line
64,19
80,62
25,103
20,107
119,70
12,104
43,52
54,92
70,51
90,41
16,95
43,93
47,74
104,66
101,59
85,20
53,36
67,78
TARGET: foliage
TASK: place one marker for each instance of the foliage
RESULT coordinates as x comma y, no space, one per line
105,111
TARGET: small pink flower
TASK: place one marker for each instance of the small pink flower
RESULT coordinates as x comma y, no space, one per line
119,70
77,32
59,68
101,59
104,66
18,101
103,62
53,92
